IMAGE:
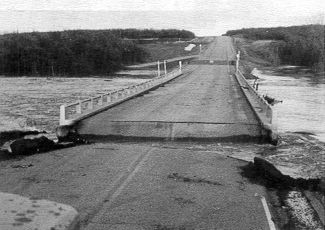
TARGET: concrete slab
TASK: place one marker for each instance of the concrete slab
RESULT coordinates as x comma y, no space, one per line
17,212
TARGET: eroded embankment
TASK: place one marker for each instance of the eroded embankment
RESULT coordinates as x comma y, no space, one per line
15,134
19,143
291,208
293,172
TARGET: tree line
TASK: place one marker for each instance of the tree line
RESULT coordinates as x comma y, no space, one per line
73,52
302,45
151,33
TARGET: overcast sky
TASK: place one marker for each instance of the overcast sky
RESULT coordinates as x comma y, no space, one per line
204,17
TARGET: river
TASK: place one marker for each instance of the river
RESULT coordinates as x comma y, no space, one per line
33,102
303,96
29,103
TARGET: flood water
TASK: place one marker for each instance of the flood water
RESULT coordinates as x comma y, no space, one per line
303,106
33,102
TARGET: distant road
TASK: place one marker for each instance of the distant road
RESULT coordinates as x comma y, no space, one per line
151,64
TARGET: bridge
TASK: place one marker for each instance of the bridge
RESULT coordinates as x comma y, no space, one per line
207,99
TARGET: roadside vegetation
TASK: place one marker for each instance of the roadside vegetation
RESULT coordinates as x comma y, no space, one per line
153,34
163,51
77,52
295,45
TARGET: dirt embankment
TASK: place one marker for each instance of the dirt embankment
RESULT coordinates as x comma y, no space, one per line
257,54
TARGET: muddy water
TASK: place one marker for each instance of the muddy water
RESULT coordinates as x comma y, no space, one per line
303,96
33,102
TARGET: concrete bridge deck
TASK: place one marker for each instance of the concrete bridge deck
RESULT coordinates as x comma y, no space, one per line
206,102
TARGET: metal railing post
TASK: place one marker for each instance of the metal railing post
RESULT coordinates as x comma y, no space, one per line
165,67
91,104
158,63
100,101
62,115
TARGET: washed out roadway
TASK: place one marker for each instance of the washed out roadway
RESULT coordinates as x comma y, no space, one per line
143,185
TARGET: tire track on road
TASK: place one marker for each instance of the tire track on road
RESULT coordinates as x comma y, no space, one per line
118,185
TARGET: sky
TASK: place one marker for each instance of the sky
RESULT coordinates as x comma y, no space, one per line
203,17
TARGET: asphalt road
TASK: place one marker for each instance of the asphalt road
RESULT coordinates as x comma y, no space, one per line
142,186
205,102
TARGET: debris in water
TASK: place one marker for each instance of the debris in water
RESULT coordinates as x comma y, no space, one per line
270,100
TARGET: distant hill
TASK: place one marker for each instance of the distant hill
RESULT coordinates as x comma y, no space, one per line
76,52
299,45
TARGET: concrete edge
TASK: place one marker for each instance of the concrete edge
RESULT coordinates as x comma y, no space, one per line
18,212
267,131
107,138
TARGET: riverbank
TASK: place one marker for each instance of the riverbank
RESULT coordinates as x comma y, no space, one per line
300,155
249,57
262,54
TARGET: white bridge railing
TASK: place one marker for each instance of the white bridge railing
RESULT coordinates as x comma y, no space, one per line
259,105
265,108
264,112
82,109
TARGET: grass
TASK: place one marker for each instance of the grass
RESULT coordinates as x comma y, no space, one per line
260,53
163,51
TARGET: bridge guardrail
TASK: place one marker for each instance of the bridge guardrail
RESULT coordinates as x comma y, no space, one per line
265,106
259,105
73,112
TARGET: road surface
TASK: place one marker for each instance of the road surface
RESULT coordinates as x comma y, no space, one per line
204,103
142,186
